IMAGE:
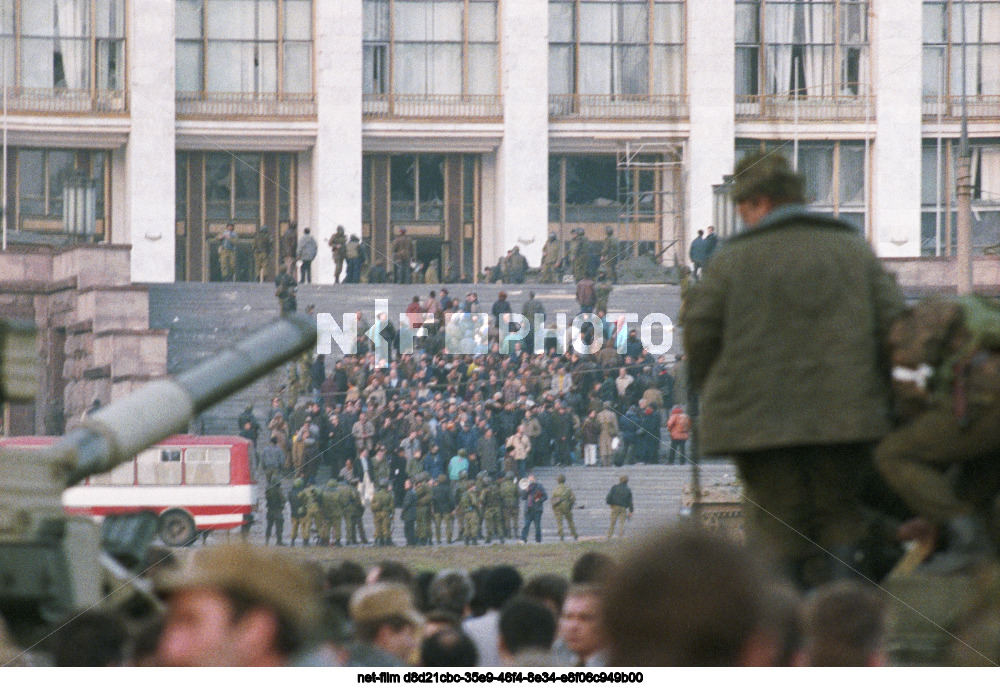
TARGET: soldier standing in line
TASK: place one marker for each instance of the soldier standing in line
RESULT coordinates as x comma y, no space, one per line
332,512
314,514
289,248
443,497
274,500
610,249
492,510
408,514
227,253
297,508
402,253
261,252
578,255
509,497
345,500
550,260
338,245
563,500
461,486
355,511
382,512
424,508
620,500
480,515
468,508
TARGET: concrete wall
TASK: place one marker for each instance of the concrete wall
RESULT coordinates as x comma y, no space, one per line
710,149
895,209
523,158
336,159
149,154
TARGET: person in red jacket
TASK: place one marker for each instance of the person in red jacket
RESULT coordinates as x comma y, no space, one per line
679,426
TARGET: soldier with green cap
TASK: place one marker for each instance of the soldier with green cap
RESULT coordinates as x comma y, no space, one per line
314,514
331,513
468,508
492,510
610,250
443,498
297,508
550,260
356,512
480,490
510,504
382,512
424,509
345,497
262,245
563,500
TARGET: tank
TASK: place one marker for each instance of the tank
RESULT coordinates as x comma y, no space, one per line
52,564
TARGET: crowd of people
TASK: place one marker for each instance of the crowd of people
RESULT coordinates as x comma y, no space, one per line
455,431
678,597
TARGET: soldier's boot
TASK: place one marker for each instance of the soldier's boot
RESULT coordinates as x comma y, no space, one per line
278,542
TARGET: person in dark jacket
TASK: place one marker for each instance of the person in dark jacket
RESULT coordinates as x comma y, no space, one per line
443,500
500,308
408,513
622,508
534,498
784,341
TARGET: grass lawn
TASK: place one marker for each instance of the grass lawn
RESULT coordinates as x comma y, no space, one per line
530,559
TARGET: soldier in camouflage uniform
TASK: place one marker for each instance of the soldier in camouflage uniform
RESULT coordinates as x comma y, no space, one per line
297,507
550,260
356,512
382,512
563,500
578,255
461,486
443,498
602,292
331,514
314,514
480,488
610,250
345,496
492,507
261,252
510,505
338,245
424,509
468,509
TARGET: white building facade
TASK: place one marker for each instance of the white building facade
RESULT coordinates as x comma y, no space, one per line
480,125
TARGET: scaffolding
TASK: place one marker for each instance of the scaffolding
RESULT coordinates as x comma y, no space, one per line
650,195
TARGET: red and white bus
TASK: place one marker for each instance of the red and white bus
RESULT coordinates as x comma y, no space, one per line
191,483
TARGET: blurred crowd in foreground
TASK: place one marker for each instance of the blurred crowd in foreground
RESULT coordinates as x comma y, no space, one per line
678,597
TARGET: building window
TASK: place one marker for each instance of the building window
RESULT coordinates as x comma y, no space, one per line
616,47
939,205
65,45
835,174
802,48
430,47
58,196
943,36
244,47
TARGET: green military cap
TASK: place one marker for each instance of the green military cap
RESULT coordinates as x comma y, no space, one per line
462,452
331,483
299,482
623,479
561,478
767,175
487,480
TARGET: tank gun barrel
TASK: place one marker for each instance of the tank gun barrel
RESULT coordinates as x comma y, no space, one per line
163,407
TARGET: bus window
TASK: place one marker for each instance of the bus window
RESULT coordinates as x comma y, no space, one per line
207,465
121,476
159,466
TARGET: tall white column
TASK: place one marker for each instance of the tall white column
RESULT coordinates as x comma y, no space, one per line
149,153
336,158
897,86
711,97
523,156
